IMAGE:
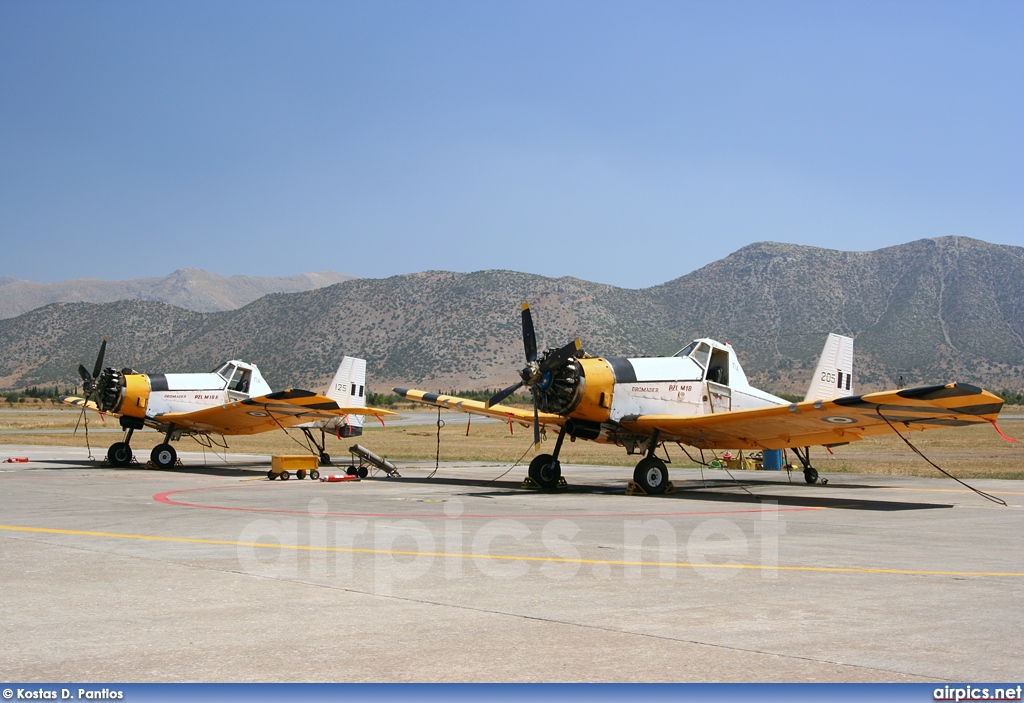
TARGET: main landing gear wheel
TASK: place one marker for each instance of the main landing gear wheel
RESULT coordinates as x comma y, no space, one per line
325,459
545,471
811,475
164,456
120,454
652,475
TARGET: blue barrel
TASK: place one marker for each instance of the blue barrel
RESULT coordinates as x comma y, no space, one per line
771,459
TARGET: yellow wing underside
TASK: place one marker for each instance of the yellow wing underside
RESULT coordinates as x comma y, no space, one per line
804,424
501,412
254,415
827,422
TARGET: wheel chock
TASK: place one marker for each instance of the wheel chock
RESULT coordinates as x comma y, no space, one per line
635,489
534,486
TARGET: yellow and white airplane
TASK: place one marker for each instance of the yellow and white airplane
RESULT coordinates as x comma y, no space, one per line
233,400
701,397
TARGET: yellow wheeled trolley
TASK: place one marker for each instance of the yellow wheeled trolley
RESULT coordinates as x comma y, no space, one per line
301,465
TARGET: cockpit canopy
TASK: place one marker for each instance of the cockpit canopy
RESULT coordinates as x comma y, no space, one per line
712,356
236,374
697,350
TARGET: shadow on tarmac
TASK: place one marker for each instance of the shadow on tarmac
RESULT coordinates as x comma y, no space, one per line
688,492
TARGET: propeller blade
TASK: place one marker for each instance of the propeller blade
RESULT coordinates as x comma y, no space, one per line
99,359
536,422
529,337
84,373
501,395
558,358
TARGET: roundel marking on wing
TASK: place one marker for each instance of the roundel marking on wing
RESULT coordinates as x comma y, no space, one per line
839,420
256,413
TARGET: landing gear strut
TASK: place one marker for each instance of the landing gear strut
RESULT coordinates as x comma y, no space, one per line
651,473
120,453
810,473
164,455
325,458
545,469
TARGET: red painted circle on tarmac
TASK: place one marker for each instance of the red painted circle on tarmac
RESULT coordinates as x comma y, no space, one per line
166,498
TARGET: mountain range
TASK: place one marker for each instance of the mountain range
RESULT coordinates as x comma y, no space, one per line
930,311
189,288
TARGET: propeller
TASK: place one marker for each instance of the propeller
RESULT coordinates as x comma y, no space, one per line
89,381
545,378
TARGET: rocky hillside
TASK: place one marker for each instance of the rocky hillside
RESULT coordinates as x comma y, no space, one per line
187,288
930,311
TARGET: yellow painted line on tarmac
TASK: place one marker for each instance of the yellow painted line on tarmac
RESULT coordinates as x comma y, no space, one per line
506,557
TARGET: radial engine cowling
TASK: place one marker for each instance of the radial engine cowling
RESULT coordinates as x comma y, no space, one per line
561,390
110,390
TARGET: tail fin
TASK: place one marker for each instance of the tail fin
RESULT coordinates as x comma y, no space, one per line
834,376
348,389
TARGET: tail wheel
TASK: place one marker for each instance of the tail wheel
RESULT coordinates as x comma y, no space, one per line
120,454
164,456
545,471
652,475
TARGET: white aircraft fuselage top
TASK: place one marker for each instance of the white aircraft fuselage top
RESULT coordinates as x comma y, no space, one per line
680,385
187,392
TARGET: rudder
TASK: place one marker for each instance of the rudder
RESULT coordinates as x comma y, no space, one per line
348,389
833,378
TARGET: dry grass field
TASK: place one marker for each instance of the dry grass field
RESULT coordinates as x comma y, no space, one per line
972,452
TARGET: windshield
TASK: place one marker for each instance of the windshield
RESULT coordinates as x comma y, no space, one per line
685,351
701,354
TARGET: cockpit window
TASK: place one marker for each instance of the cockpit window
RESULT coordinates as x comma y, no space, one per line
701,354
226,371
685,351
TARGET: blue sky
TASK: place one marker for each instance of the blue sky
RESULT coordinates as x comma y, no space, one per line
621,142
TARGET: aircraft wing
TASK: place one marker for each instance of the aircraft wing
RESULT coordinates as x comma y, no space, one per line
264,413
819,422
501,412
